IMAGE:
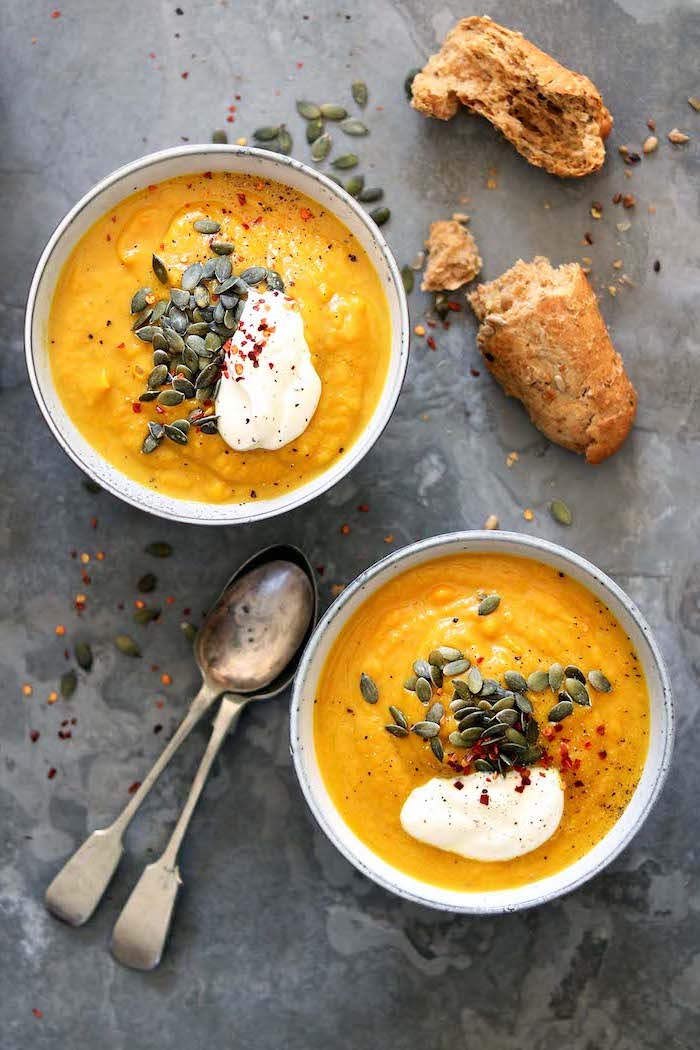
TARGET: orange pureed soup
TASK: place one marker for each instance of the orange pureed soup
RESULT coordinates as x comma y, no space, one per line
100,366
543,618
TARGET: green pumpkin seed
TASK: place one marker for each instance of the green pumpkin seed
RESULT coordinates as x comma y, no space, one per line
189,630
175,341
449,653
410,683
147,583
515,681
222,247
353,126
474,718
266,133
437,749
399,717
321,147
368,689
68,685
561,710
331,111
460,707
149,444
181,424
408,82
314,130
456,740
461,689
127,645
360,93
180,298
474,680
274,282
207,377
157,377
175,434
191,277
506,703
421,668
571,671
354,185
508,718
145,615
556,677
209,426
532,731
183,386
455,667
201,295
481,765
531,755
141,319
523,704
161,357
146,334
489,604
345,161
284,143
538,681
396,730
435,712
424,690
148,395
436,659
560,512
599,681
425,730
170,398
159,549
493,732
514,737
577,692
219,136
207,226
408,279
471,735
489,687
380,215
308,110
436,676
138,302
484,705
159,269
254,275
83,656
371,194
204,394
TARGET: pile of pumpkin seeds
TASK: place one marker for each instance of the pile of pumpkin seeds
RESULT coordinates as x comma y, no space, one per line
188,332
321,122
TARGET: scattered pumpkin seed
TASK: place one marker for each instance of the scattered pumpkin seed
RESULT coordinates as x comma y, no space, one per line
345,161
532,731
577,692
425,730
421,668
496,729
455,667
561,512
436,676
556,677
207,226
474,718
314,130
408,82
147,583
254,275
360,93
159,269
284,143
410,683
523,704
219,136
170,398
380,215
571,671
157,377
149,444
435,712
515,737
321,147
560,711
191,277
68,684
189,630
399,717
83,655
396,730
408,279
354,185
368,689
308,110
489,604
437,748
461,689
138,302
505,703
599,681
485,705
127,645
508,717
424,690
222,248
159,549
474,679
146,615
332,111
455,739
147,332
274,281
482,765
371,194
489,687
266,133
353,126
531,755
538,681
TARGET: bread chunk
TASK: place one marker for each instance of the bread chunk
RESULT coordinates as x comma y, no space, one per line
554,117
453,257
544,340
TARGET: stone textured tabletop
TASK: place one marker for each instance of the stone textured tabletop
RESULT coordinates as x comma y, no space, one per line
278,942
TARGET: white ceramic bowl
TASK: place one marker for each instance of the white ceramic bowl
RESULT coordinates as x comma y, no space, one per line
655,768
156,167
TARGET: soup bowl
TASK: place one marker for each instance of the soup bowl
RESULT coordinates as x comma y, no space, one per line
156,168
606,849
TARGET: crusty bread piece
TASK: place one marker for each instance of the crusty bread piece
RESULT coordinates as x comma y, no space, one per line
553,116
544,340
453,257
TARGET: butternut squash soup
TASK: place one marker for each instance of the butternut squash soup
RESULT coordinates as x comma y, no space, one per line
481,721
219,337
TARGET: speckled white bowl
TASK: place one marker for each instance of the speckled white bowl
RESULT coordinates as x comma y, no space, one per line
187,160
646,793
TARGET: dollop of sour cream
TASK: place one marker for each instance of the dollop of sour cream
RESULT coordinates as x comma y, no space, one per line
269,387
487,819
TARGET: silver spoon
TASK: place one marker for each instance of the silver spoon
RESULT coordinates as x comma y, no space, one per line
249,644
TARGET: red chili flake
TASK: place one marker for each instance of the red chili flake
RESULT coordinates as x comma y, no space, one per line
133,788
184,75
136,406
230,119
458,784
480,659
34,735
578,783
300,65
51,773
93,523
431,343
151,54
559,728
602,755
455,307
588,745
120,346
345,530
600,730
207,175
306,214
160,410
363,508
484,798
170,600
152,186
37,1013
241,198
56,14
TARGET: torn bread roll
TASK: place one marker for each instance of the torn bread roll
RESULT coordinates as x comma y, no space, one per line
554,117
544,340
453,257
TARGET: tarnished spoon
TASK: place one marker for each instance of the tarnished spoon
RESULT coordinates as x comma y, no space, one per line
249,644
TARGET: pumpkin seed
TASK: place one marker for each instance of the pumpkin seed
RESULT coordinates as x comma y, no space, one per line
408,82
435,712
425,730
577,692
561,512
490,688
266,133
146,334
321,147
183,386
138,302
515,737
147,583
161,357
396,730
489,604
360,93
508,717
127,645
461,689
368,689
459,707
207,377
254,275
209,426
399,717
345,161
506,703
208,268
523,704
449,653
222,247
175,434
561,710
145,615
201,295
515,681
599,681
68,685
157,377
371,194
424,690
211,342
159,549
159,269
474,718
436,676
532,731
219,136
207,226
148,395
481,765
314,130
175,341
380,215
471,735
141,319
531,755
408,279
274,282
556,677
410,683
204,394
421,668
455,667
538,681
179,298
198,328
456,740
474,679
284,143
437,749
493,732
354,185
571,671
353,126
308,110
170,398
484,705
83,655
332,111
191,276
189,630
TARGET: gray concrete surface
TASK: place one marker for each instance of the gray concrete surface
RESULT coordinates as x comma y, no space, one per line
278,942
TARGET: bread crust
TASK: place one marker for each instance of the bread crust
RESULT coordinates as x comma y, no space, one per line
453,257
554,117
544,340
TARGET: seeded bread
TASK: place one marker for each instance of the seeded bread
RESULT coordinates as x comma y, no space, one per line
544,340
554,117
453,257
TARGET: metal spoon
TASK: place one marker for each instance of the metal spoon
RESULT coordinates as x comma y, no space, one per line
249,644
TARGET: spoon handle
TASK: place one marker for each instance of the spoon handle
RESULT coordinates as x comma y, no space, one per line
141,930
80,884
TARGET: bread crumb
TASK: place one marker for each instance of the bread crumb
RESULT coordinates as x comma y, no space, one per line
453,257
491,522
617,264
678,138
612,289
528,514
650,144
419,329
695,103
512,458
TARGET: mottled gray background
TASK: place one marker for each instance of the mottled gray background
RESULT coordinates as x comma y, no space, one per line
277,941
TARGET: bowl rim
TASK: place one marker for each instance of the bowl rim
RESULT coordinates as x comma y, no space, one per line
258,510
529,546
